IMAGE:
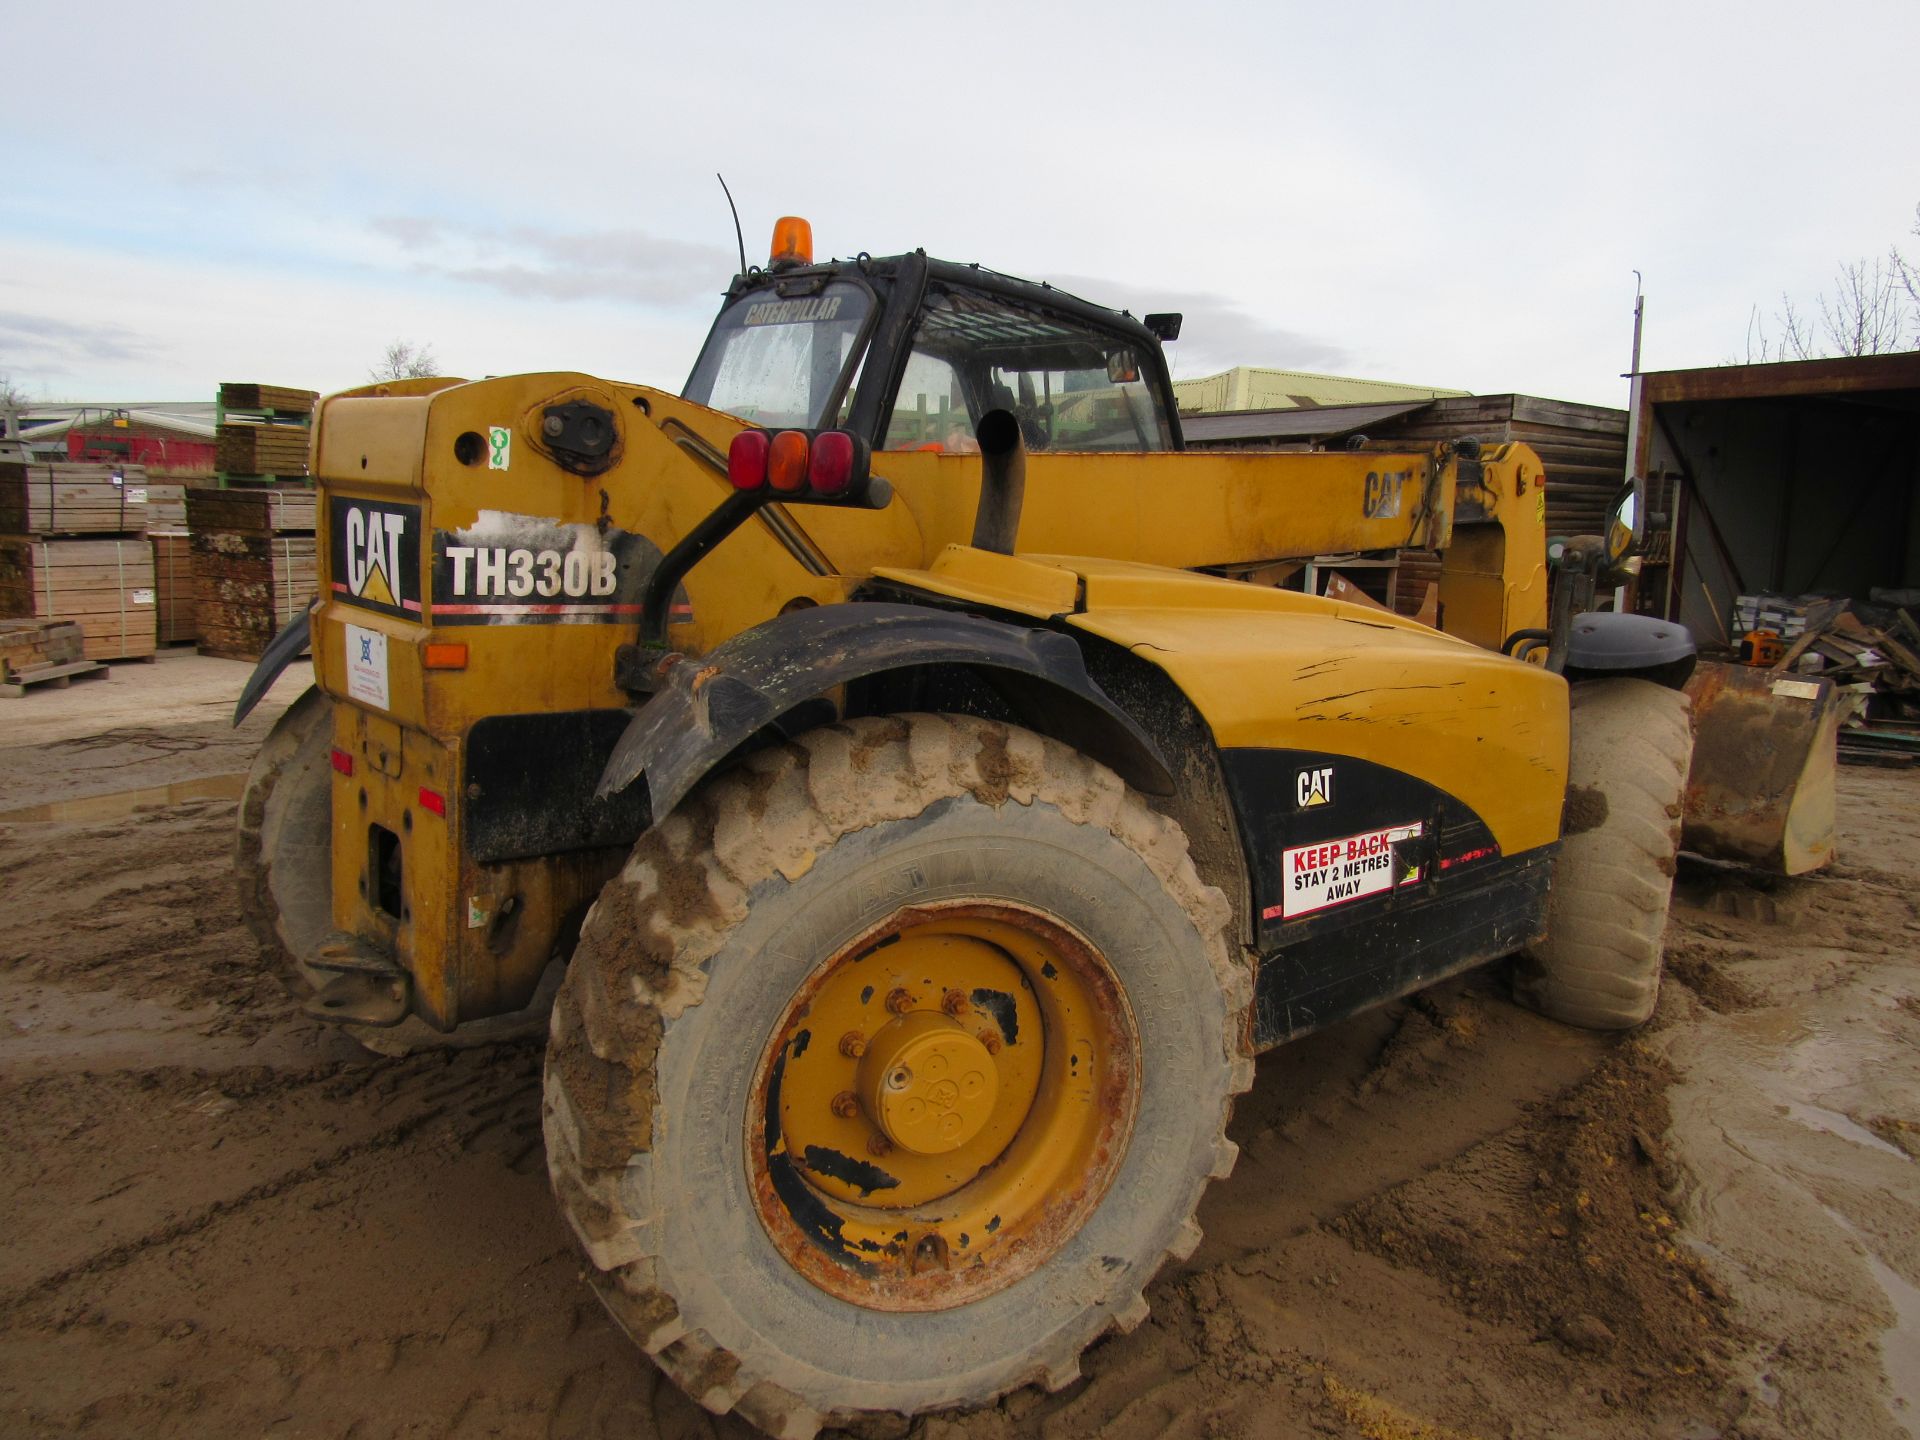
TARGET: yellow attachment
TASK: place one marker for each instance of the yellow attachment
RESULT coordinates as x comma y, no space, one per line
956,1090
928,1084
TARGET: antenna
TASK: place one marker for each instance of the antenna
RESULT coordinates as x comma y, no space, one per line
738,238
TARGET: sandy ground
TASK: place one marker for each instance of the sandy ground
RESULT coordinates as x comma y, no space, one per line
1450,1218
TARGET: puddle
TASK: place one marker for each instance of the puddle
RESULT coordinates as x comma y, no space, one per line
1832,1122
1900,1344
118,803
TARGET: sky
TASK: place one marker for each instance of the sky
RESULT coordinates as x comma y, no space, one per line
1451,195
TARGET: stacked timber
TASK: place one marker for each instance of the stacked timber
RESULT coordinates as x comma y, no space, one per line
102,584
71,549
279,399
38,652
59,498
250,448
263,431
253,562
173,584
166,507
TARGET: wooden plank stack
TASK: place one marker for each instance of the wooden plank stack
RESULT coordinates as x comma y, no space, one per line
104,584
71,549
263,431
166,507
261,449
254,564
173,584
38,652
58,498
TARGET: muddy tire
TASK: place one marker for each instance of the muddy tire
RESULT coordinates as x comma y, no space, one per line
1599,966
737,1257
283,851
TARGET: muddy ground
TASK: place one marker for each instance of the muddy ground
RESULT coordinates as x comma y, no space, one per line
1450,1218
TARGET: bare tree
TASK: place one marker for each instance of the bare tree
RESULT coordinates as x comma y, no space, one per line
405,360
1872,309
12,397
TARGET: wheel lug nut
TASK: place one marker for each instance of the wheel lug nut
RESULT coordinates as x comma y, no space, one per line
930,1254
853,1044
899,1002
990,1040
846,1105
879,1146
954,1003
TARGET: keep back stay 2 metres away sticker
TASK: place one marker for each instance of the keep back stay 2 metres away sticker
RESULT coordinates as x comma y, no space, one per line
1334,872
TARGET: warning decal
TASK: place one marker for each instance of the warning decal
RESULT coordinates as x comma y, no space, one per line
1333,872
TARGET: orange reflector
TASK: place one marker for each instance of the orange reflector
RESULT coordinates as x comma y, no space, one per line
433,800
792,241
787,462
342,761
446,655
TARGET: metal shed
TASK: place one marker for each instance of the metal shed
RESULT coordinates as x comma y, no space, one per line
1793,478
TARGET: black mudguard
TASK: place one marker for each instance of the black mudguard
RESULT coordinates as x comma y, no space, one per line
713,704
281,652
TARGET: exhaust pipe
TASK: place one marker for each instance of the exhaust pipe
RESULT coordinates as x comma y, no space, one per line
1003,482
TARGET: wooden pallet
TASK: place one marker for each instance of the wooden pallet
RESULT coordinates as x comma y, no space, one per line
18,682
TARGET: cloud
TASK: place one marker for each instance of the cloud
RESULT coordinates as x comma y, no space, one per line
1216,333
528,262
42,343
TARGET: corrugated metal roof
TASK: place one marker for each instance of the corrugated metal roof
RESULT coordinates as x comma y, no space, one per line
183,417
1293,424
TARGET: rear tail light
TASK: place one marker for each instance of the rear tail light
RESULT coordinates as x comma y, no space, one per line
787,462
830,471
747,460
433,800
342,761
801,465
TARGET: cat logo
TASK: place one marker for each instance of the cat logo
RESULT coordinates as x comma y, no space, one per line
1313,787
373,554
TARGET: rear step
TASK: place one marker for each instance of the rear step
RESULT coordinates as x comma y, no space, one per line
367,987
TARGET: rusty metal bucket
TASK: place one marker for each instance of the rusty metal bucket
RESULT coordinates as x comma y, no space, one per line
1761,791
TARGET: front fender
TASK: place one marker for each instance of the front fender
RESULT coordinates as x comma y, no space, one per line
713,704
281,652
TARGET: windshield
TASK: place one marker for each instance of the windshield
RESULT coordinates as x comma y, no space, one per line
1072,386
778,359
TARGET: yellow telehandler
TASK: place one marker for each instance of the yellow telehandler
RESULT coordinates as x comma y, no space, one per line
888,752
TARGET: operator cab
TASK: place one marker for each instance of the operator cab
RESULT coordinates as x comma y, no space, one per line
910,353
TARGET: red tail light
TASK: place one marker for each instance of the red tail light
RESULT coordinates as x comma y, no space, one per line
343,762
787,462
830,471
747,460
433,800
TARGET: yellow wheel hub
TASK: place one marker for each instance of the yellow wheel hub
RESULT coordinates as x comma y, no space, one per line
941,1105
928,1084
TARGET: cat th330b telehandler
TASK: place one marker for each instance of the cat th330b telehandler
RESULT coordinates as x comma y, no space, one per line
888,750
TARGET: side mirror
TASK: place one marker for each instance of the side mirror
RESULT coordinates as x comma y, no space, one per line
1164,325
1623,523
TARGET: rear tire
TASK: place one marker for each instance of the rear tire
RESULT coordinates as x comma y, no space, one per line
283,853
754,910
1599,966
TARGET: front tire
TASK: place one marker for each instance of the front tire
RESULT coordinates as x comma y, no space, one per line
969,902
1599,967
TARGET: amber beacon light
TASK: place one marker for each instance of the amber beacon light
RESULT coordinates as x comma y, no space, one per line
792,241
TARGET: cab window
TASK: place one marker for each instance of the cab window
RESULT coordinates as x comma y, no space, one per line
1071,386
779,360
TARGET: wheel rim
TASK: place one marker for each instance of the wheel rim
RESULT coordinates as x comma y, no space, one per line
941,1105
